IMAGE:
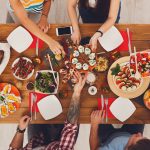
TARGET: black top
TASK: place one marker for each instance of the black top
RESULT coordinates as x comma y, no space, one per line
99,14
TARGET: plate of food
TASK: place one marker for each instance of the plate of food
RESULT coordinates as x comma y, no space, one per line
4,56
102,64
83,59
122,83
147,99
10,99
22,68
45,82
143,59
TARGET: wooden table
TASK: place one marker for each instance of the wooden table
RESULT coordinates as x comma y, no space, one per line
140,39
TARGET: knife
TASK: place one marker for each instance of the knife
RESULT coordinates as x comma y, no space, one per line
102,102
31,107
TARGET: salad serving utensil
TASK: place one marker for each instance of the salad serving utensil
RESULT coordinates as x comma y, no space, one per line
137,74
50,63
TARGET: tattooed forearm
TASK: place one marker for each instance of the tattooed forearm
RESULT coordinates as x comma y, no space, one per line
74,109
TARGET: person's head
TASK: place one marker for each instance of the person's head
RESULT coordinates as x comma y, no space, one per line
138,142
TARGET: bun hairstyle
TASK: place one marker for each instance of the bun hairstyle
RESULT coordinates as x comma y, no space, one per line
143,144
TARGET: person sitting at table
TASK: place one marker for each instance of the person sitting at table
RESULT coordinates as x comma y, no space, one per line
106,137
106,12
33,16
44,140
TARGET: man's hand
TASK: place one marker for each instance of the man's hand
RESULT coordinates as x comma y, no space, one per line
97,117
24,122
43,24
81,82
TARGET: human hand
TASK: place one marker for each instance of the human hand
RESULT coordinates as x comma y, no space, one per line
43,24
93,41
76,37
81,82
24,122
97,116
56,48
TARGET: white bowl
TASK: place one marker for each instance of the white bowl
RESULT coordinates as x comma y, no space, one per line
20,39
111,39
46,71
122,108
49,107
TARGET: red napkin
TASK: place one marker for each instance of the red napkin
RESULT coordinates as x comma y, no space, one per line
33,45
110,101
124,45
39,97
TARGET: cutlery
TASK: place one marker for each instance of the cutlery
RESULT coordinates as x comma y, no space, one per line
31,107
130,50
102,104
137,74
106,104
37,47
34,101
50,63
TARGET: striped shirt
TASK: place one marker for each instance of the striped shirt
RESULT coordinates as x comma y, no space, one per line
34,6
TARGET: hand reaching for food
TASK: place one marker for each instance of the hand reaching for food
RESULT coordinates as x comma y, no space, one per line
76,37
93,41
55,47
81,82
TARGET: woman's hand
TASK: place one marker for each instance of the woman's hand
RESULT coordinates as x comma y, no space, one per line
24,122
55,47
43,24
94,40
97,116
76,37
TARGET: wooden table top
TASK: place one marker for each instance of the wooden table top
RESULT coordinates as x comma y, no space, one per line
140,39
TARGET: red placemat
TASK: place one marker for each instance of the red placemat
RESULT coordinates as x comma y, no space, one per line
110,101
124,45
33,45
39,97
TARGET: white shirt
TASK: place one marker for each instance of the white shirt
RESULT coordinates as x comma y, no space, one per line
92,3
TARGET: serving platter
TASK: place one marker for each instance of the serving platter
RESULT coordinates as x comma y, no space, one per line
119,92
10,99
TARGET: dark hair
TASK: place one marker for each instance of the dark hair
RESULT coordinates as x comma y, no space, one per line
143,144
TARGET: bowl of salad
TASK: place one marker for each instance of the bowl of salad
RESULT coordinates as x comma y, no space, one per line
46,83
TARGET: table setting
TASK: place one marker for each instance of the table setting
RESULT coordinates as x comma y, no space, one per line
118,73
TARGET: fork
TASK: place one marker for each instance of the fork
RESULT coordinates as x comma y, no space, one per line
34,100
106,104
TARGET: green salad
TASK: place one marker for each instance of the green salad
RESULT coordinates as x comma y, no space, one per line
45,82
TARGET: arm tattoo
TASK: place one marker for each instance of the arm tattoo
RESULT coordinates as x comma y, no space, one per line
74,110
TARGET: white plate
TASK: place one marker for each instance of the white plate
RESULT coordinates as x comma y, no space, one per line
29,75
20,39
49,107
111,39
56,90
122,108
5,47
